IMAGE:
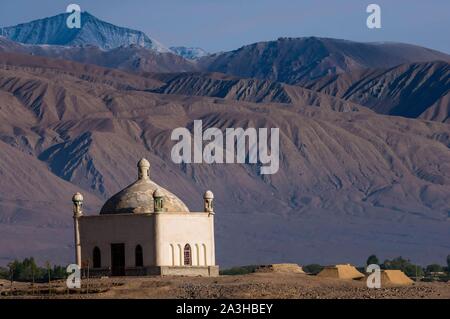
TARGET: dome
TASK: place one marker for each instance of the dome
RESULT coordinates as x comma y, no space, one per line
138,197
144,163
77,197
208,195
157,193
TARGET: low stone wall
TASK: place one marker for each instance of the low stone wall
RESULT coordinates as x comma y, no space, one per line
294,268
95,272
192,271
142,271
188,271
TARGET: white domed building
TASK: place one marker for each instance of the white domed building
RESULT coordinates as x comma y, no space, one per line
146,230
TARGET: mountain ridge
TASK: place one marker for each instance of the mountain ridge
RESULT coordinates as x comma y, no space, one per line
249,90
416,90
299,60
351,182
93,31
131,58
190,53
369,182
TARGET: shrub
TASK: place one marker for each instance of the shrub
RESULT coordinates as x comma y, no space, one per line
434,268
243,270
313,269
4,273
404,265
448,264
27,270
373,259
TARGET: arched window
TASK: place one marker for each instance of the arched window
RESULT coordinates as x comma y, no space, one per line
97,257
187,255
139,256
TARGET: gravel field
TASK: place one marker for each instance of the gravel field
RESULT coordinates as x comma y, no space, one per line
257,285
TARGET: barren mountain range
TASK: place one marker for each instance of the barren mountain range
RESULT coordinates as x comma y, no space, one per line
299,60
364,142
416,90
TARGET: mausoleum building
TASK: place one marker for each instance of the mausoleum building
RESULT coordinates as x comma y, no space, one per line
146,230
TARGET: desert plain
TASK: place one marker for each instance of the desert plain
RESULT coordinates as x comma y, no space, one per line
249,286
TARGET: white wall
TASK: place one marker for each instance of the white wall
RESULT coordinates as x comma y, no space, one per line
175,230
166,232
104,230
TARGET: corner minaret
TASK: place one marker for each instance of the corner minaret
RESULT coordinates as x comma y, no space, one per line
208,202
208,198
77,200
158,201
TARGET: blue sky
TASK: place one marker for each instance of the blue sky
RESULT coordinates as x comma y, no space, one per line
221,25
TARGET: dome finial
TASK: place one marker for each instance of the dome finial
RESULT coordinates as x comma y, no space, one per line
143,169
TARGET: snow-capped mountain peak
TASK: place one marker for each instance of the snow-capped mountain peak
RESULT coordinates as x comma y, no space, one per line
189,53
93,31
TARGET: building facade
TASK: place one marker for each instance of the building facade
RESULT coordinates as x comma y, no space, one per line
146,230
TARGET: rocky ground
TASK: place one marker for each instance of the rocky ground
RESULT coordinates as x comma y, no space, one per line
257,285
